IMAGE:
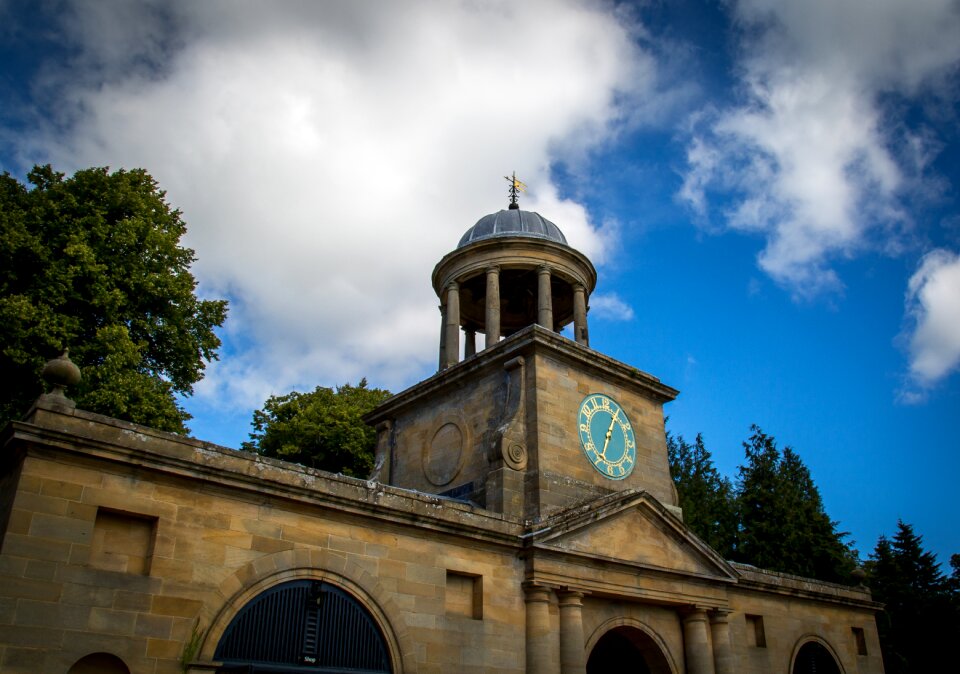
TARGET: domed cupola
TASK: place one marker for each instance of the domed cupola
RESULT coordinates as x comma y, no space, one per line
512,222
512,269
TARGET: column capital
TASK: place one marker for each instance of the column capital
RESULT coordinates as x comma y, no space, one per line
453,285
693,614
492,269
570,597
536,593
544,269
720,615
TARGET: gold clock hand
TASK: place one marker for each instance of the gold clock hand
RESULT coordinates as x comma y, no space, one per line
606,440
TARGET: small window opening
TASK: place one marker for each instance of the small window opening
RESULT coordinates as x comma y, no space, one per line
464,595
860,639
755,634
122,542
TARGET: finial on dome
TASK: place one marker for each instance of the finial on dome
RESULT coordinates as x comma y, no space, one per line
515,188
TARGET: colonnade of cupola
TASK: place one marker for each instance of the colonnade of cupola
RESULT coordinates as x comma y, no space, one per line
512,269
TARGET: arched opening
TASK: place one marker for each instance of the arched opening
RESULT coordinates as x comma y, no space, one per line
99,663
814,658
303,626
627,649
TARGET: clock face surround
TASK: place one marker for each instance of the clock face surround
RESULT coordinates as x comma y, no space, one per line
606,436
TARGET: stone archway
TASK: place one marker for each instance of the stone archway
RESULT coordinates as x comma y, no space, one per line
814,658
99,663
627,649
304,625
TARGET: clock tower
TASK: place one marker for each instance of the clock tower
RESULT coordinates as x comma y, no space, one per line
533,422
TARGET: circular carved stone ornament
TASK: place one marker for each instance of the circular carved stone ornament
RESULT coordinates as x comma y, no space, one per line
606,436
444,453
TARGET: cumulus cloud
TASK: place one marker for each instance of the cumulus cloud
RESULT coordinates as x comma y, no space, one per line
610,307
933,305
326,155
808,153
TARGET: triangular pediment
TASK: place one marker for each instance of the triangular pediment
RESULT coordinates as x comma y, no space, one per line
632,528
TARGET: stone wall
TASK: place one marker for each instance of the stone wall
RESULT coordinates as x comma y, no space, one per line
128,548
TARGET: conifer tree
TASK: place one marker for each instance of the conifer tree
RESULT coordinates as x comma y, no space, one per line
782,522
705,496
921,618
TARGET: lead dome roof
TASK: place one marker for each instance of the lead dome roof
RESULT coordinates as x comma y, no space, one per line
512,222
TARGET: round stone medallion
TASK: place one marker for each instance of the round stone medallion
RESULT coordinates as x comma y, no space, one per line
444,453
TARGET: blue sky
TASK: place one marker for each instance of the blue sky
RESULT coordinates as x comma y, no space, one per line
768,189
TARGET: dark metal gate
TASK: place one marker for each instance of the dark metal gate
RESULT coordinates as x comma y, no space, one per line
813,658
303,626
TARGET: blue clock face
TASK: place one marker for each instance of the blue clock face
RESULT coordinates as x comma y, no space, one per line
606,436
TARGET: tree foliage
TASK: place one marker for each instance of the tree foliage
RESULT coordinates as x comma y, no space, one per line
782,522
706,497
323,429
772,518
921,617
93,263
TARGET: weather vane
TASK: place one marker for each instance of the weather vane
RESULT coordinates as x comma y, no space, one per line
515,188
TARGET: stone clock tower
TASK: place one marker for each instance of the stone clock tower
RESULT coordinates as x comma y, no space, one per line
521,519
533,423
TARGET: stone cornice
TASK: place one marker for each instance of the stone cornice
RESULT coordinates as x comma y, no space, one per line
88,437
533,339
767,582
514,251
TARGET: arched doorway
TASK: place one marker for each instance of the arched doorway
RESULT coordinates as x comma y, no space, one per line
627,649
814,658
303,626
99,663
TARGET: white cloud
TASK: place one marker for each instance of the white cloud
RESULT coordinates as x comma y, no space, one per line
610,307
808,153
933,304
326,155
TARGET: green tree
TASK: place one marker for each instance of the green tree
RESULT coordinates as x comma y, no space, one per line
782,522
921,618
707,498
323,429
93,263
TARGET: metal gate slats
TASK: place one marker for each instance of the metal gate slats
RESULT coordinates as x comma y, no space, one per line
307,626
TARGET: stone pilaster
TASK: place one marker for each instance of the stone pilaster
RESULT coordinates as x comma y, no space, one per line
722,651
538,629
572,659
696,642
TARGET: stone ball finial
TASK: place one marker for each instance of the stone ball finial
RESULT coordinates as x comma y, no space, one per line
60,373
858,575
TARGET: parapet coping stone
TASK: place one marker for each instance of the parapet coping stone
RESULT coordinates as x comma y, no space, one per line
79,432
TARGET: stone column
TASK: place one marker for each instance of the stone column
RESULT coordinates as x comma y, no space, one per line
544,298
580,333
470,342
443,336
722,651
452,325
696,643
492,324
538,629
571,634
